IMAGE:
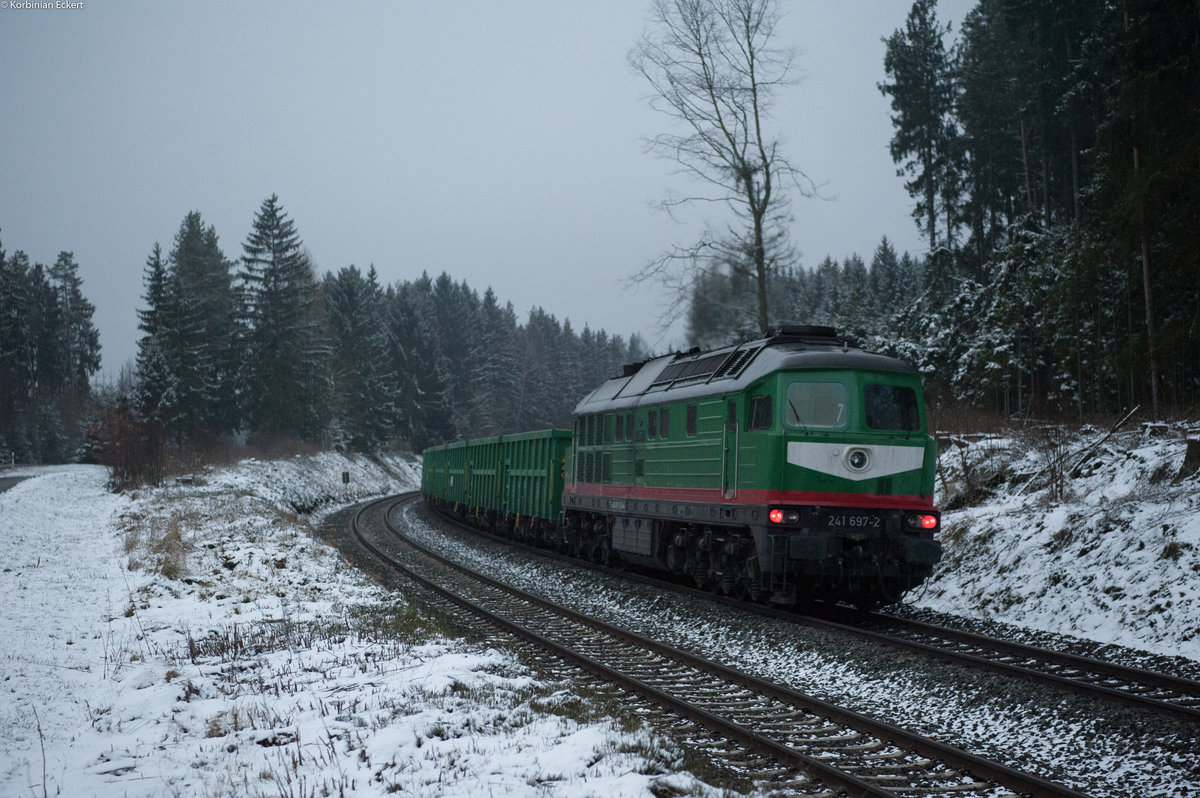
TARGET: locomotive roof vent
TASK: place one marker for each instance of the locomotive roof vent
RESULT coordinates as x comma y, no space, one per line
803,331
809,334
736,363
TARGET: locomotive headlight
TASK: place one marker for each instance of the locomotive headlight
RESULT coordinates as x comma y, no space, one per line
858,459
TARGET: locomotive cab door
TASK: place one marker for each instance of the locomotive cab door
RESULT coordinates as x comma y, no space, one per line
729,450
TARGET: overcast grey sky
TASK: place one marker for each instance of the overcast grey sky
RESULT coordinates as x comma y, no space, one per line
498,141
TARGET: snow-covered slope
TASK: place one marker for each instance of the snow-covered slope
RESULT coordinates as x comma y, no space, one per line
1075,533
197,639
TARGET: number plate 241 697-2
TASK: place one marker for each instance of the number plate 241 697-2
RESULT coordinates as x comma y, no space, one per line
851,520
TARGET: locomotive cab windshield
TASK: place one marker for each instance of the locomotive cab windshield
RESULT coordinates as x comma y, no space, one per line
816,405
821,404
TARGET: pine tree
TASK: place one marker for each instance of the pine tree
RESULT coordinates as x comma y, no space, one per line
415,352
922,98
364,383
204,330
285,372
188,355
156,393
493,350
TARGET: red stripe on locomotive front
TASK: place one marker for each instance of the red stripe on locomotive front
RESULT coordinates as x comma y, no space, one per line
752,496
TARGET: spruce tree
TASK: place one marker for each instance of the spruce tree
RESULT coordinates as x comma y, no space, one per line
922,98
49,350
204,335
364,382
81,340
492,384
285,370
416,353
156,391
188,354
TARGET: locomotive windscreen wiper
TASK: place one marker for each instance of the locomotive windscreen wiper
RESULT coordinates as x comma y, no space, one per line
796,412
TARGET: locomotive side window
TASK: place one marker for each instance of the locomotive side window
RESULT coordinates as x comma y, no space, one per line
652,422
629,426
760,413
620,436
816,405
664,423
692,417
892,407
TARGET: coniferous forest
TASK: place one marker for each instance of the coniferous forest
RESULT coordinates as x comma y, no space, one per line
1052,152
261,350
49,351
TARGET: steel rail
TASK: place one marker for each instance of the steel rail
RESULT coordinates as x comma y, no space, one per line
1185,688
814,767
995,772
1133,676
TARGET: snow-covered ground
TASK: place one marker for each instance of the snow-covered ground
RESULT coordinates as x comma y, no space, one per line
198,640
1074,533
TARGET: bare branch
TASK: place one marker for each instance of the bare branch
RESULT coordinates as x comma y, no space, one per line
713,69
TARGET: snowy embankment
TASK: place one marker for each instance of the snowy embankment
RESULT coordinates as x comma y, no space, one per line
1082,534
197,639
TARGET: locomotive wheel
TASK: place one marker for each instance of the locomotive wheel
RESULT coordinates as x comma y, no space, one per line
751,580
600,551
697,567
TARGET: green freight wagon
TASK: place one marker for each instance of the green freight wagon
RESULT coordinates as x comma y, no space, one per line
509,483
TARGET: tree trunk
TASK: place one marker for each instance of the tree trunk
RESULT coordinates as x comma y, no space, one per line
1148,292
1147,289
1025,165
760,273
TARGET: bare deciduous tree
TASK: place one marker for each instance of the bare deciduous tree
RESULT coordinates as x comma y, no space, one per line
713,68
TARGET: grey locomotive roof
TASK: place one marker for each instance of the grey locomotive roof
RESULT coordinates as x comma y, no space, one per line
692,375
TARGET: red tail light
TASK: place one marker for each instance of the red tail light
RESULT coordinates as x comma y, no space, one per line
776,516
915,521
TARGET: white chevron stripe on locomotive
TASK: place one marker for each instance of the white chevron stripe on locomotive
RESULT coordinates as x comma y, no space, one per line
844,459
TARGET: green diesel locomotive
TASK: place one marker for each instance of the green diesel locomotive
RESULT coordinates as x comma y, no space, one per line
789,468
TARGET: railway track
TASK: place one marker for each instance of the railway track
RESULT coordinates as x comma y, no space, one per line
1160,694
844,750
